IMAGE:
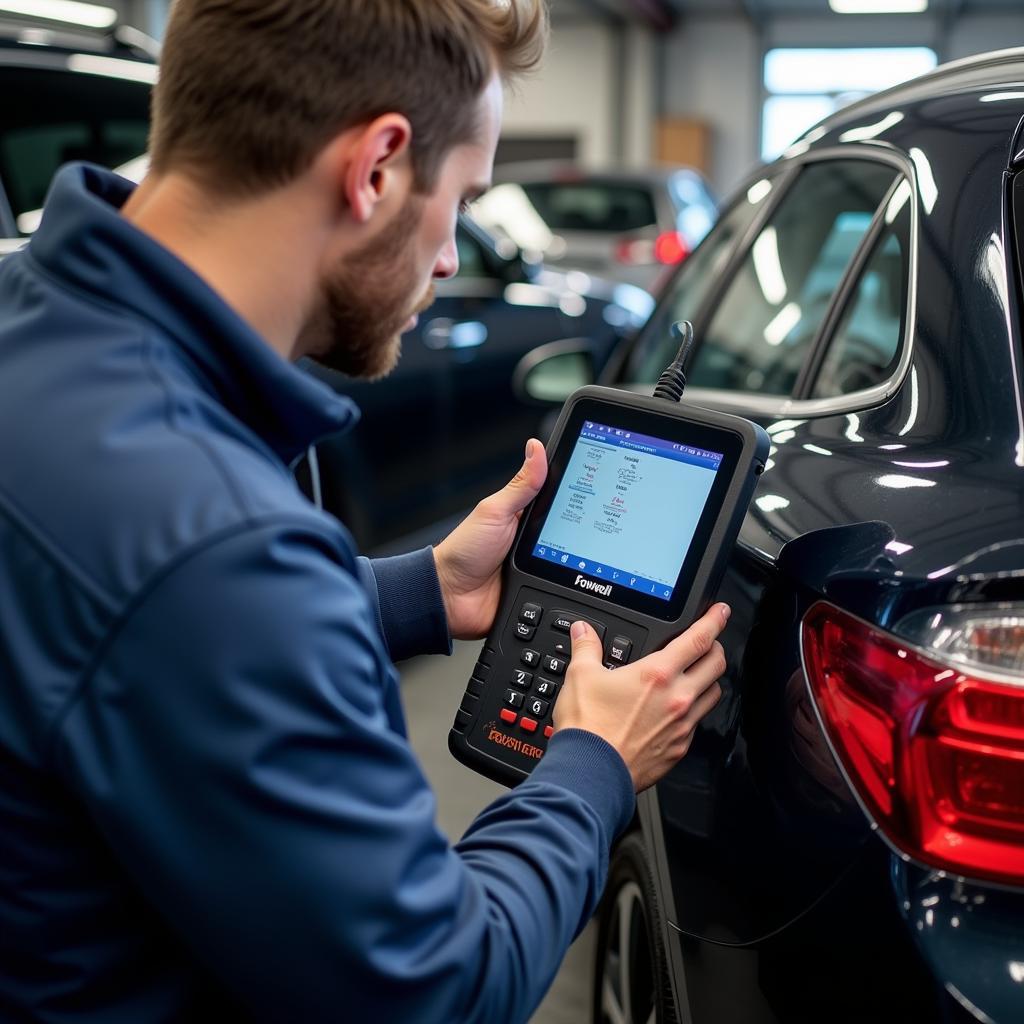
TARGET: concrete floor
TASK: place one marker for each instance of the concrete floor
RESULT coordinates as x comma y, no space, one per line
432,689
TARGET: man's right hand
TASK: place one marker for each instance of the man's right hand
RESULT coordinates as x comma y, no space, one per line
648,710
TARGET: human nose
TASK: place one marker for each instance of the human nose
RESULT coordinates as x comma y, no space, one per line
448,260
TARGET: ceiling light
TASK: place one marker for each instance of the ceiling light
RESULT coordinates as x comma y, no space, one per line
878,6
70,11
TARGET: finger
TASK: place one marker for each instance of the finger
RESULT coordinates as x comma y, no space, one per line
692,645
523,487
706,670
586,644
704,703
700,707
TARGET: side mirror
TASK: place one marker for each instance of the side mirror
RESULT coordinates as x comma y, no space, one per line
550,373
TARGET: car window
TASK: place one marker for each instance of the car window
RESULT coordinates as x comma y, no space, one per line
592,206
865,347
471,255
61,116
762,330
684,295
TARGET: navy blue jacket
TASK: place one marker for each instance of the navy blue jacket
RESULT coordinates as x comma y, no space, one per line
208,805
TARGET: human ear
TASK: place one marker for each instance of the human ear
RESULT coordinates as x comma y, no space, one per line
378,164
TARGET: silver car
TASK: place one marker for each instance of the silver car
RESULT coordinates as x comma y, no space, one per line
622,224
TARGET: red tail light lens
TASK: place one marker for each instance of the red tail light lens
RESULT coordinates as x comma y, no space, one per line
669,248
935,751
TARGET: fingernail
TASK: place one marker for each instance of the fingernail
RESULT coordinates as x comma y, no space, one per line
578,631
726,612
529,448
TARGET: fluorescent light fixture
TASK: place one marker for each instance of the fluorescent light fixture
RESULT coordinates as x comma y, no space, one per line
900,482
758,191
878,6
872,131
768,267
777,330
70,11
925,179
771,502
112,67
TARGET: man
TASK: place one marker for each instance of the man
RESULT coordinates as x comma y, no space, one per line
208,805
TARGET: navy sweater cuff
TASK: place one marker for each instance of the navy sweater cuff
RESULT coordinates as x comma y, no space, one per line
593,769
410,605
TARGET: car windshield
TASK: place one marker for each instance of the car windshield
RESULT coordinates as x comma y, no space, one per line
63,115
592,206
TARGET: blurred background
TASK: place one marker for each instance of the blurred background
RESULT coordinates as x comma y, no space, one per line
714,84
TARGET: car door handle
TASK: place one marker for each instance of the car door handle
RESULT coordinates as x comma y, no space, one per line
443,332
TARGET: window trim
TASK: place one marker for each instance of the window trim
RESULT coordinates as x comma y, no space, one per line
795,404
803,388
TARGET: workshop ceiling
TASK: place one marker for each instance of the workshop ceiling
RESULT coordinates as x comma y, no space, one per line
661,13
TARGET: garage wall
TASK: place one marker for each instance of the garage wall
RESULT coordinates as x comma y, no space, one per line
574,93
712,72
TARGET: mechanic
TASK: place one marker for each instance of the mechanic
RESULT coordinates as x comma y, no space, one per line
209,807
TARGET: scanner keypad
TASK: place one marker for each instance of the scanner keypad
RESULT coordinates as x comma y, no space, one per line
550,652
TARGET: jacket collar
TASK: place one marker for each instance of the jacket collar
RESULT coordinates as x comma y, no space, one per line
85,242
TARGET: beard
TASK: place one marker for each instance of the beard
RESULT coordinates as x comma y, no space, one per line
356,326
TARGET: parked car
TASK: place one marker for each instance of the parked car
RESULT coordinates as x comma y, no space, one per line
844,841
627,225
446,428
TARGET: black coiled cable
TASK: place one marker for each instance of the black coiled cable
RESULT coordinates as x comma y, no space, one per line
672,382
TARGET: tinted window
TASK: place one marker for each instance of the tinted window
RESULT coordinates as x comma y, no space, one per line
683,297
51,117
864,350
471,256
761,331
592,206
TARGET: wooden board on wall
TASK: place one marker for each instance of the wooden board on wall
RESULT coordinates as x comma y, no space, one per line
683,140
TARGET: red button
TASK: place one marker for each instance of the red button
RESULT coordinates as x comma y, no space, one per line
508,716
548,730
528,724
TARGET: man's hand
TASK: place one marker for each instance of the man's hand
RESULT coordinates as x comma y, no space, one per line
469,559
648,710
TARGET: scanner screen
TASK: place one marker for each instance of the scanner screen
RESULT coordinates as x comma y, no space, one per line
627,508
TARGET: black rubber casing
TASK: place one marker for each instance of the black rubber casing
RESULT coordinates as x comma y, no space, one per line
505,752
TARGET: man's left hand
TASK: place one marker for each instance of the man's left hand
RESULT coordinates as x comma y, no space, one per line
469,559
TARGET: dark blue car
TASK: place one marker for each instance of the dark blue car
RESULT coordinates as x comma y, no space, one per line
845,840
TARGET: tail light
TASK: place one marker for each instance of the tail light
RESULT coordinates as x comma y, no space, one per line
930,734
668,248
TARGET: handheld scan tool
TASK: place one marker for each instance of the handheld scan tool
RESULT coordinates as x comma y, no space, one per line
631,532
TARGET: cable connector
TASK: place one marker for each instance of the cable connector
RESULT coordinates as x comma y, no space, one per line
672,382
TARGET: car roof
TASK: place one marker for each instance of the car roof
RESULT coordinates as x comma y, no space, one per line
21,38
964,78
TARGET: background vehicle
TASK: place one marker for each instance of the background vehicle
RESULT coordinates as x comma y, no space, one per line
446,427
845,840
625,225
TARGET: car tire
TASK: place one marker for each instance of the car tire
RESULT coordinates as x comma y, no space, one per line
631,979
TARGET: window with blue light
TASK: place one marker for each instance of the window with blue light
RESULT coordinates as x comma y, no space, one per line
804,85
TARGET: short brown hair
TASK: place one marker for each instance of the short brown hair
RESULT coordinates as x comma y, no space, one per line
251,90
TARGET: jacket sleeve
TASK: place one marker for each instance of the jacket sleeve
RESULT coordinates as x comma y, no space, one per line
235,749
406,595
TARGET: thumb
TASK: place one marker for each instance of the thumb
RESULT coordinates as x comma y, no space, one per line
524,486
586,644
